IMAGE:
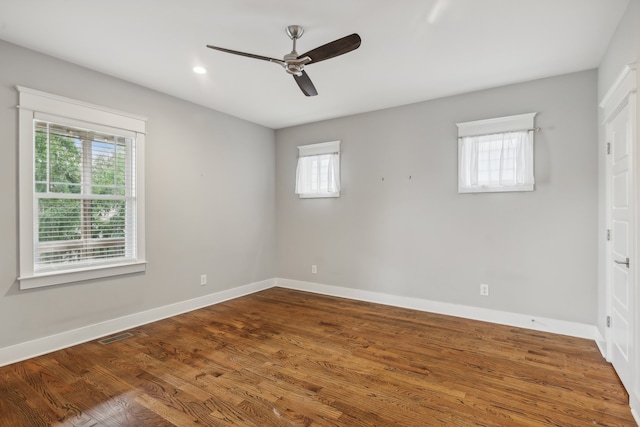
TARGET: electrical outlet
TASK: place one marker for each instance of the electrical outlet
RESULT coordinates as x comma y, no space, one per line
203,280
314,269
484,290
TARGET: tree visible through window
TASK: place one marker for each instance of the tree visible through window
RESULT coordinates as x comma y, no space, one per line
81,188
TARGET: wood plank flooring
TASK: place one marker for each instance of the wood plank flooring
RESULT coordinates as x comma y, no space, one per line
287,358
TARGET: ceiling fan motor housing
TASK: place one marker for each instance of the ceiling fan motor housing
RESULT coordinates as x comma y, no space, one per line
293,64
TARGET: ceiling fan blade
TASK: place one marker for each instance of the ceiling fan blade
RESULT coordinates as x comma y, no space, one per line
334,48
248,55
305,84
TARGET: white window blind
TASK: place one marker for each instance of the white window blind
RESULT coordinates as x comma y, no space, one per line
318,170
81,187
84,197
496,155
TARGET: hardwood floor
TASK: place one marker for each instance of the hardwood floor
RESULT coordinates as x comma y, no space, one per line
289,358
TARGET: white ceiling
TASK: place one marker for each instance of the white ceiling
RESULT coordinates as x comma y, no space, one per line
412,50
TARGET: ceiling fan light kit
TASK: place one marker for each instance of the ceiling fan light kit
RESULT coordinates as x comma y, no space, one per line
294,64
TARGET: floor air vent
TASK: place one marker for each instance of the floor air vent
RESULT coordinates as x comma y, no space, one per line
115,338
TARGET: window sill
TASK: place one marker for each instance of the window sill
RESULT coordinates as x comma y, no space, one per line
489,189
318,196
60,277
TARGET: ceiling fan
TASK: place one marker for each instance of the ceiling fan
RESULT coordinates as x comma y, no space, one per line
294,64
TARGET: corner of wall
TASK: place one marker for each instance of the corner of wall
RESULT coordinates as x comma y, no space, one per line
601,342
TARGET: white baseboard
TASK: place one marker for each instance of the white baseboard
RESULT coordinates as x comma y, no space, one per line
37,347
562,327
73,337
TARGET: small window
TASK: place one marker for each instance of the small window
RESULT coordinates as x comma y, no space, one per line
496,154
81,191
318,170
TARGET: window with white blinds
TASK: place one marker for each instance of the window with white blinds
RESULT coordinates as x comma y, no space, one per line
84,197
496,155
318,170
82,187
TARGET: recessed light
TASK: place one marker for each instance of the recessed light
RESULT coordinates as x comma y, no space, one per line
199,70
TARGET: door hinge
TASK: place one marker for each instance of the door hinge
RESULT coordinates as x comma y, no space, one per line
608,321
608,235
608,148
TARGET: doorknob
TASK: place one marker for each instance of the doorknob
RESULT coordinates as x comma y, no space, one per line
623,262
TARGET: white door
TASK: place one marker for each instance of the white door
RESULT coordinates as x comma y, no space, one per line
621,256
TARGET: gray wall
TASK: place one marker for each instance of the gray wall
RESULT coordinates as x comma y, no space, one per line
210,202
413,235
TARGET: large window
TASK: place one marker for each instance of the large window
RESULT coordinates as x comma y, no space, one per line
496,154
81,191
318,170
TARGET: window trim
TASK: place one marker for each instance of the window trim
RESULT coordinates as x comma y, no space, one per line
322,148
498,125
34,103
